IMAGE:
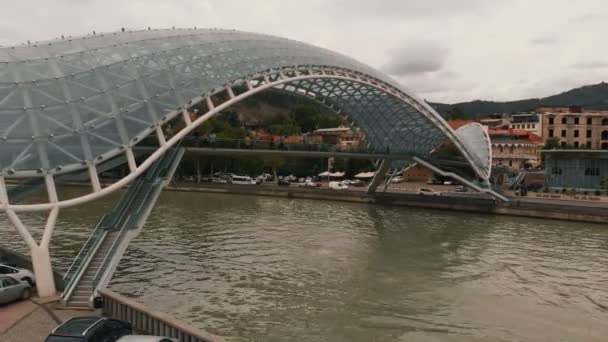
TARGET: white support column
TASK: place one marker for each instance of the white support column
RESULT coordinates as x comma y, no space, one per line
379,176
210,104
41,259
131,159
93,176
186,116
230,92
162,141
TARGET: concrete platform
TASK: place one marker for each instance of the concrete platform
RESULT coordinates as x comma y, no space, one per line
33,320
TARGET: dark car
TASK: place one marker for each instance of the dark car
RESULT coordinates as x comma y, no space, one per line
284,182
90,329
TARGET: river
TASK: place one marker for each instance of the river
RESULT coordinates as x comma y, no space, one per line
276,269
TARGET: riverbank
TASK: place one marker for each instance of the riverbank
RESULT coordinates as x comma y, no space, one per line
525,207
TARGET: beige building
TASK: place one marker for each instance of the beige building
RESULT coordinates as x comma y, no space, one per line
577,130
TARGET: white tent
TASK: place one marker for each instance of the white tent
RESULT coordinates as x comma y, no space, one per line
365,175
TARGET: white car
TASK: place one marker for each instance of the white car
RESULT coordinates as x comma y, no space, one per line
428,192
338,186
397,179
20,274
145,338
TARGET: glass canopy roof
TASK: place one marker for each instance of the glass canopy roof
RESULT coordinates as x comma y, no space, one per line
72,100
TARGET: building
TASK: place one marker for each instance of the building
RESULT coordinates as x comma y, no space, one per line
575,169
588,130
516,149
417,172
342,136
558,109
495,122
530,122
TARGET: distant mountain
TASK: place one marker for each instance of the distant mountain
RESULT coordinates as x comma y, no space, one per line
591,97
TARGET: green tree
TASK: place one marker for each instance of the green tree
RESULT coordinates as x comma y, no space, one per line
455,113
604,182
552,144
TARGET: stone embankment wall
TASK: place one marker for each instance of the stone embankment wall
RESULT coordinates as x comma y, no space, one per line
458,202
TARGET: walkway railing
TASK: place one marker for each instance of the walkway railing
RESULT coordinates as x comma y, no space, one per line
257,144
150,322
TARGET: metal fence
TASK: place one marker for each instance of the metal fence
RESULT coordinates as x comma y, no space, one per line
150,322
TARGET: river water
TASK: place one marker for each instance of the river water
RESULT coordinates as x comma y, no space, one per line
274,269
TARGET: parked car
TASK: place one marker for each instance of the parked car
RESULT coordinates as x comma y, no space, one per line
12,289
338,186
310,184
461,188
434,181
90,329
448,182
357,183
145,338
428,192
283,182
397,179
20,274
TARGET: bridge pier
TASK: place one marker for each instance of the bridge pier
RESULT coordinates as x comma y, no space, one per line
379,176
41,259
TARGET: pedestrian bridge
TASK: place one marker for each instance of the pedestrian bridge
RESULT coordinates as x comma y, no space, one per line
72,105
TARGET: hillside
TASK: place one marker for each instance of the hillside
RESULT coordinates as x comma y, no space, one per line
591,96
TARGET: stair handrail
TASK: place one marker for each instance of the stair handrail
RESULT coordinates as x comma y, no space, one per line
110,252
124,203
89,240
67,292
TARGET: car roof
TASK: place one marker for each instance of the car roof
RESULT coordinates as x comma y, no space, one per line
144,338
77,326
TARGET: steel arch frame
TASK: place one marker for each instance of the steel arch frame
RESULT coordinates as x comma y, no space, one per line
255,84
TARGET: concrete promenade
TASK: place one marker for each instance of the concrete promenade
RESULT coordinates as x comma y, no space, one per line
33,320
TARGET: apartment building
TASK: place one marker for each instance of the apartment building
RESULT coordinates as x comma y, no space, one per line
583,129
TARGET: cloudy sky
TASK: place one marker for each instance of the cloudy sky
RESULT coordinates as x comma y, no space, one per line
444,50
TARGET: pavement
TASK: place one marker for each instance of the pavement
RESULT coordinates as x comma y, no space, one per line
33,320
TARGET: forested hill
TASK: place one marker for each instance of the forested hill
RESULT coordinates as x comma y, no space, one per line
591,96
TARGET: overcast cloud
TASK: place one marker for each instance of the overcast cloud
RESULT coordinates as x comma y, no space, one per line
444,50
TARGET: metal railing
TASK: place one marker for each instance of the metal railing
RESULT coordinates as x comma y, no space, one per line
73,283
150,322
256,144
84,251
111,252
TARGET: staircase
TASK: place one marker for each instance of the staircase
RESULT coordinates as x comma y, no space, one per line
95,263
519,179
85,287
